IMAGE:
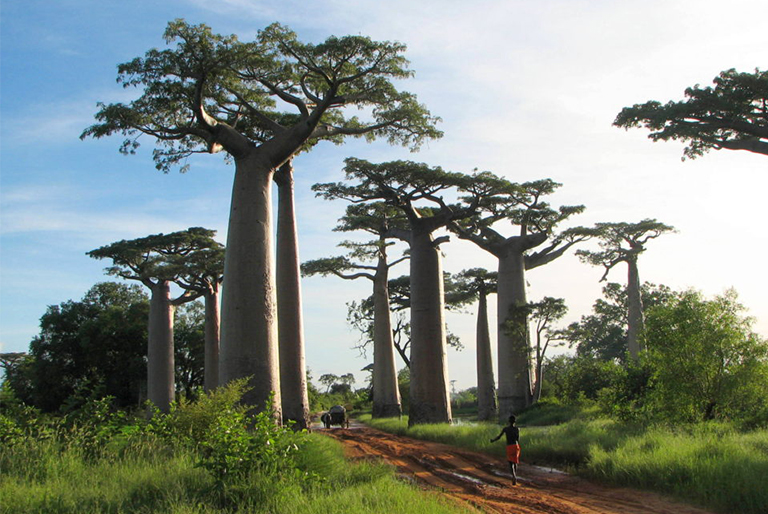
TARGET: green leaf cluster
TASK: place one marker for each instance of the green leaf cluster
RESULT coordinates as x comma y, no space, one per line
733,115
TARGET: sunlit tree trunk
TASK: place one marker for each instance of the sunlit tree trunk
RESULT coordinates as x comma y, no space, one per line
513,341
249,313
212,332
635,319
430,400
486,385
386,395
160,361
293,376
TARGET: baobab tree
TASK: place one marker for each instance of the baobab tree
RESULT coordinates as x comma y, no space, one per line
360,314
369,261
293,374
624,242
151,260
214,93
416,190
201,273
732,115
480,283
525,207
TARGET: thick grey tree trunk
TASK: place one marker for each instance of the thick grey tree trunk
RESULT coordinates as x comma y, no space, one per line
635,319
160,362
212,332
513,345
293,377
249,313
486,385
386,395
430,400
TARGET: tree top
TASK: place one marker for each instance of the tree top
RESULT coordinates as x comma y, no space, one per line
733,115
211,92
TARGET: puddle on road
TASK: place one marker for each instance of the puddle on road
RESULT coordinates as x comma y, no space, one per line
468,478
550,470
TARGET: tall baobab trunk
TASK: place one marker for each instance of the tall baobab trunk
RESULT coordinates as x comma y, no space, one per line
513,344
635,320
212,327
430,400
486,385
386,395
160,362
293,377
249,317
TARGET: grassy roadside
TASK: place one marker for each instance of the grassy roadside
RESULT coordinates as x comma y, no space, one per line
46,478
711,465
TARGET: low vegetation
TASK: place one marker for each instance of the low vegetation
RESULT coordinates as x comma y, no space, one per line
203,457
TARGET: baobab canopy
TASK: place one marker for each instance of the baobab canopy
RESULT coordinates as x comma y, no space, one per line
212,92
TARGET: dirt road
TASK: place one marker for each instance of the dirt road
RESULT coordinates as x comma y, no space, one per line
485,483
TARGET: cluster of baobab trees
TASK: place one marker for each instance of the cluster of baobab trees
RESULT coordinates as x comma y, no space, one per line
261,103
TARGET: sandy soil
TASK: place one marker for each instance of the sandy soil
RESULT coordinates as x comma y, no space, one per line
485,483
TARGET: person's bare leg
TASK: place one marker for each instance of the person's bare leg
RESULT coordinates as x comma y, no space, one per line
513,468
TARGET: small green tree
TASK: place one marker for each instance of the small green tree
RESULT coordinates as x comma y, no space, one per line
328,380
707,362
543,314
731,115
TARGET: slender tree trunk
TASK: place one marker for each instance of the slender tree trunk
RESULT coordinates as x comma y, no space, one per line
293,376
386,395
249,317
486,384
211,375
160,362
539,371
430,400
513,342
635,320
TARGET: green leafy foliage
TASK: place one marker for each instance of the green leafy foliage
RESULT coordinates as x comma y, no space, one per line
622,242
733,115
238,446
166,257
603,334
97,342
211,92
706,361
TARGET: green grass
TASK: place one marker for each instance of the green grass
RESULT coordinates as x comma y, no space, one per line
42,477
712,465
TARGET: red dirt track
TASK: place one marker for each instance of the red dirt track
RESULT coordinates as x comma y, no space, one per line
484,482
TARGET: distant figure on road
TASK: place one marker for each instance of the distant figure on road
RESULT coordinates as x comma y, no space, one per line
513,446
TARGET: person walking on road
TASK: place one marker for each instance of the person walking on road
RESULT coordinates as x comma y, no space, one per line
513,446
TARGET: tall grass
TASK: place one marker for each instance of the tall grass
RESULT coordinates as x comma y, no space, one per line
712,465
146,476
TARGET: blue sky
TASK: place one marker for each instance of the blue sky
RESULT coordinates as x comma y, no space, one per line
525,89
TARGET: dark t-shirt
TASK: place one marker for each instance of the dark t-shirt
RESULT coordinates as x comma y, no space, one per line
512,433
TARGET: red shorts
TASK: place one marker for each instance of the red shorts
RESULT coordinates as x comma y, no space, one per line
513,453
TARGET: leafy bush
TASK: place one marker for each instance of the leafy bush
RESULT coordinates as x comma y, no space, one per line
707,363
